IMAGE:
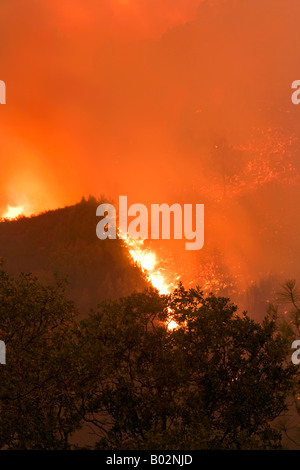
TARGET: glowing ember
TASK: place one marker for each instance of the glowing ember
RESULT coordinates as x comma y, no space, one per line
13,212
172,325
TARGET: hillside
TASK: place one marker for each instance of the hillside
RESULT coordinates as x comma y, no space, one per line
63,242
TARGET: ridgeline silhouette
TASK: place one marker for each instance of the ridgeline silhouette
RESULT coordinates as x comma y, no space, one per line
63,243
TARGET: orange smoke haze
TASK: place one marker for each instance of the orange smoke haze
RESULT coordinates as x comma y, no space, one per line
164,101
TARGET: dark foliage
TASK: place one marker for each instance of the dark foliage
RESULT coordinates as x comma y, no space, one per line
215,382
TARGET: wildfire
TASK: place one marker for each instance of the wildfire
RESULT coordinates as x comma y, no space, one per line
143,256
13,212
148,262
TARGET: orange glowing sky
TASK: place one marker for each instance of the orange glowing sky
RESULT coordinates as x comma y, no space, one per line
75,93
131,96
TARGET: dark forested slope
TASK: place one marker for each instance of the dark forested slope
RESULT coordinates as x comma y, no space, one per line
64,242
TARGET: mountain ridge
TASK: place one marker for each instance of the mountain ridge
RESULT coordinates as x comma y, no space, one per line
63,243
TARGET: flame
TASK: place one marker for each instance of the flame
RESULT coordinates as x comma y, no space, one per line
13,212
24,209
172,325
144,257
148,262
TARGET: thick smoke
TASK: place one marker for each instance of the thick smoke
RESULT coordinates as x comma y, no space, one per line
167,101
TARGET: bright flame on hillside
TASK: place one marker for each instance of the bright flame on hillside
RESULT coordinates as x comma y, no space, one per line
13,212
148,262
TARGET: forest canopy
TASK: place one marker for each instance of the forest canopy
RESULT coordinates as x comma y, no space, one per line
120,379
